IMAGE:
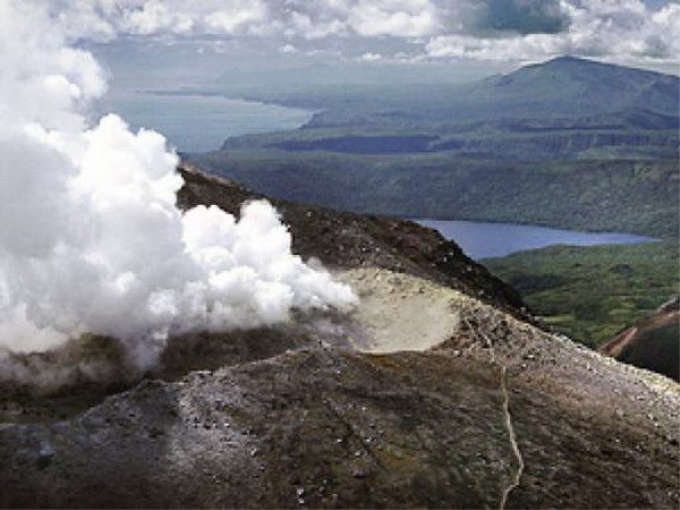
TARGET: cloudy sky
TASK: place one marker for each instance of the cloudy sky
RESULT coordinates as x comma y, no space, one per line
637,32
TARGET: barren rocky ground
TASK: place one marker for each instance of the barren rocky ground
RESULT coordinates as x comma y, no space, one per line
437,391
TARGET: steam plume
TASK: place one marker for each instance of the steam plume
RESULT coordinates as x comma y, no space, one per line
90,238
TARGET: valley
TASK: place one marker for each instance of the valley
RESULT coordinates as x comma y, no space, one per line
639,197
592,293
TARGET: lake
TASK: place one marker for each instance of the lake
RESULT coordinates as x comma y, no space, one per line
201,123
481,240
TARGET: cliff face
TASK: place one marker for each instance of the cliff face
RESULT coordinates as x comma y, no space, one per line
555,144
426,395
548,143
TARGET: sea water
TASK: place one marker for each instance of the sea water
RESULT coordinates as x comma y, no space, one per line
195,123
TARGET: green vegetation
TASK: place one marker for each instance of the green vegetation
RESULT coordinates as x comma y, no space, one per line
592,293
615,195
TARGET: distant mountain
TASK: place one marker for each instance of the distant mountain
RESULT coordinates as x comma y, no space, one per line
573,87
565,87
570,142
566,108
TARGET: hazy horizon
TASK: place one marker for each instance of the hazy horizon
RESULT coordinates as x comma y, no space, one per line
177,43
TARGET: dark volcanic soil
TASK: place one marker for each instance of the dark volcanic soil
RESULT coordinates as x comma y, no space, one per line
327,427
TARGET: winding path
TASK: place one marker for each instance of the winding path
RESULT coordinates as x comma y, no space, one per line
512,436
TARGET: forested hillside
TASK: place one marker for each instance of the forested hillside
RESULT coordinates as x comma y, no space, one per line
570,143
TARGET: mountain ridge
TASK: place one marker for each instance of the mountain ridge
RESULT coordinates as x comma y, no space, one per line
652,342
576,86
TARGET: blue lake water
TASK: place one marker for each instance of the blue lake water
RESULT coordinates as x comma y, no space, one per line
201,123
481,240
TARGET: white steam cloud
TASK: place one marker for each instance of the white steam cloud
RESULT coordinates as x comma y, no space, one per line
90,238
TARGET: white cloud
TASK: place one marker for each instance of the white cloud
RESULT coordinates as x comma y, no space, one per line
624,30
508,48
401,18
288,49
236,15
370,57
475,29
303,25
309,19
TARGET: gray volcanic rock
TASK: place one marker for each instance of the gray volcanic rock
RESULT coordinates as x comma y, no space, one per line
425,396
333,427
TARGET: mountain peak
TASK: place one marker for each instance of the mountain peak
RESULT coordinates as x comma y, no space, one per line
568,59
572,86
570,62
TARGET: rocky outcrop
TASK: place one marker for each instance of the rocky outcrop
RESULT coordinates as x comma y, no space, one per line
549,143
652,343
557,144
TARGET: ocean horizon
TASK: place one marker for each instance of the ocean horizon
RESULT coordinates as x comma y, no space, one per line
195,123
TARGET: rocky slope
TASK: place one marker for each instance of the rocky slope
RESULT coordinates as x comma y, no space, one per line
426,395
652,343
